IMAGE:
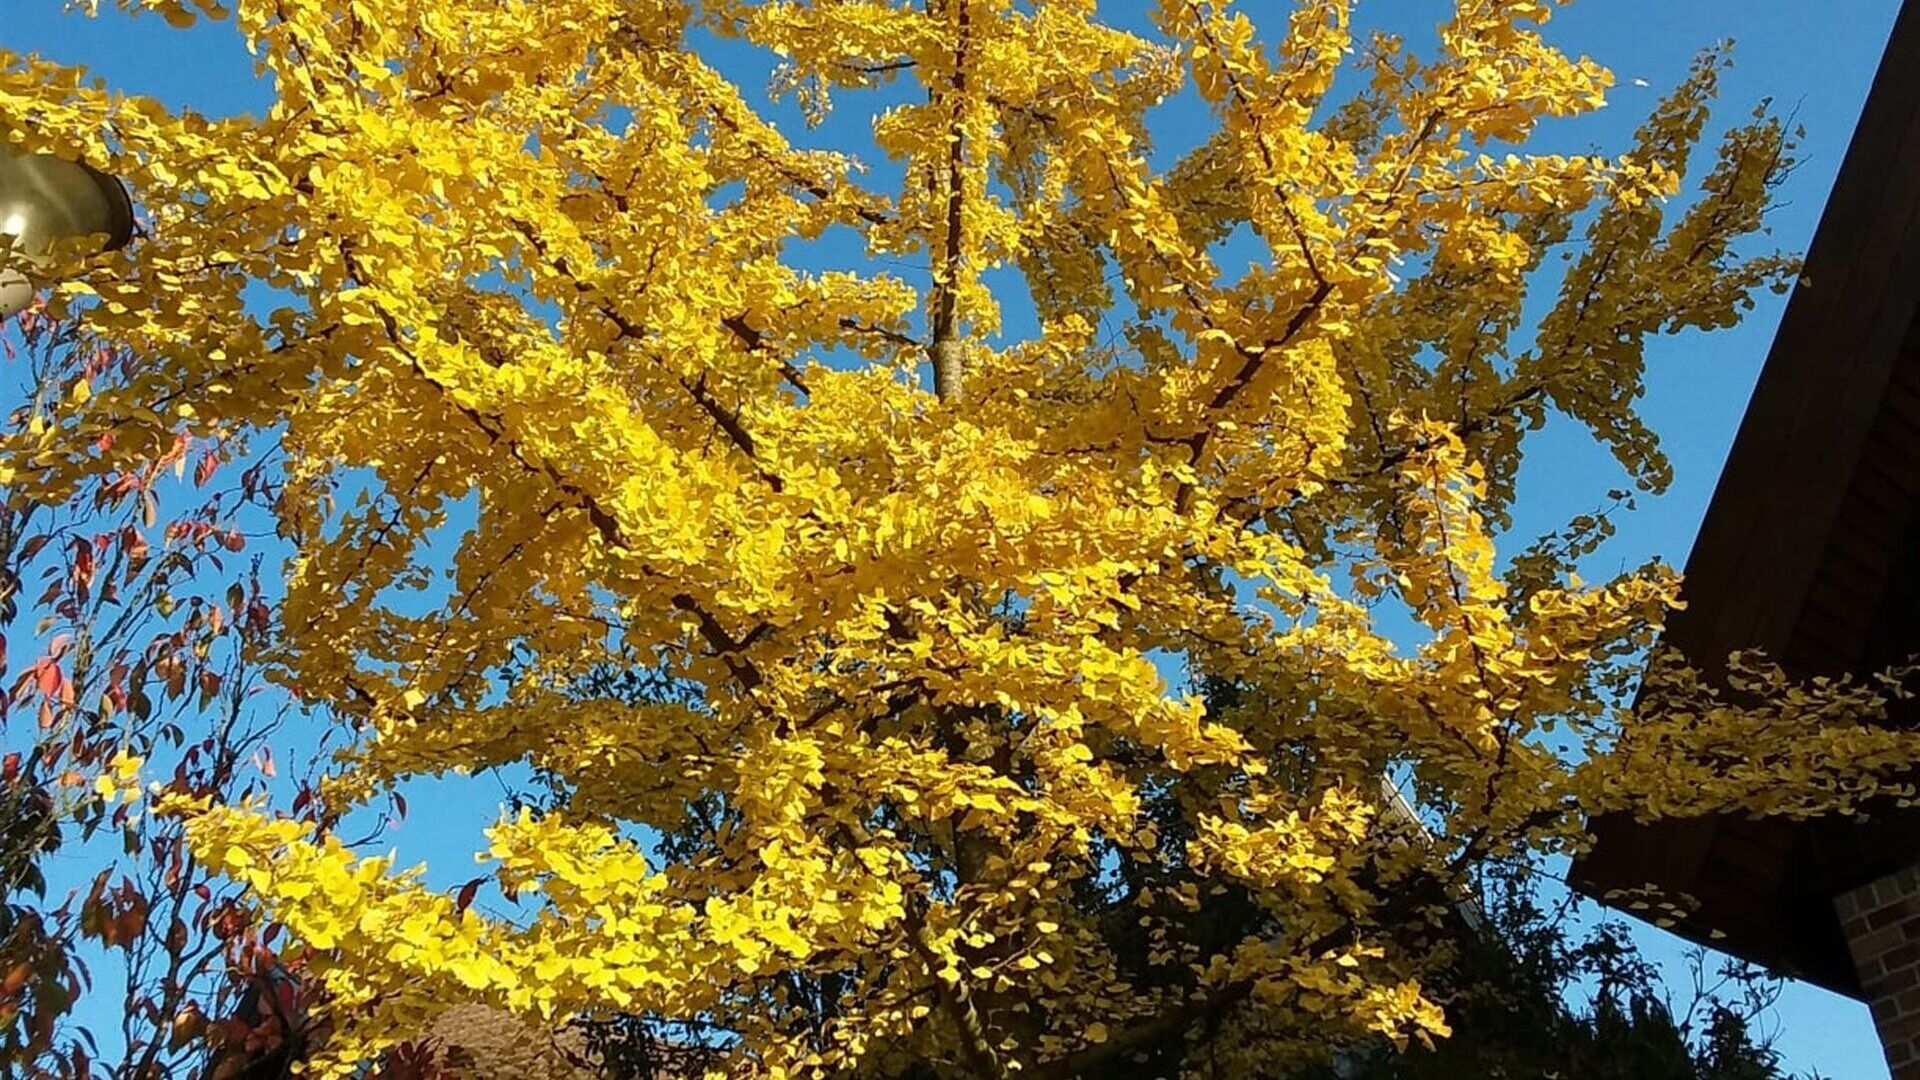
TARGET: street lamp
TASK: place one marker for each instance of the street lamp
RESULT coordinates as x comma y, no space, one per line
49,206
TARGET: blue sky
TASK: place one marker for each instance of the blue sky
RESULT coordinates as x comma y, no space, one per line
1814,60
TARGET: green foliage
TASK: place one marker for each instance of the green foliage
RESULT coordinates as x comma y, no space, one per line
1533,997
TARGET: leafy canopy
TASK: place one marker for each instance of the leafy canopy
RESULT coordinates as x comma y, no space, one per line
529,299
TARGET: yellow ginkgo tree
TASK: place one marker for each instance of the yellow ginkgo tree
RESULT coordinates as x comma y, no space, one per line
532,303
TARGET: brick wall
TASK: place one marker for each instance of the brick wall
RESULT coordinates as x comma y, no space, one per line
1882,924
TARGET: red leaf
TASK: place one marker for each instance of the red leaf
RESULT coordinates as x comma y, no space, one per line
464,898
49,677
82,562
134,544
130,923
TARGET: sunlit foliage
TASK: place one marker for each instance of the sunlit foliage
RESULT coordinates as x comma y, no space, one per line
528,296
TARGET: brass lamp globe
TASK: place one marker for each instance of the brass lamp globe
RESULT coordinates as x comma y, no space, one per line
51,206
